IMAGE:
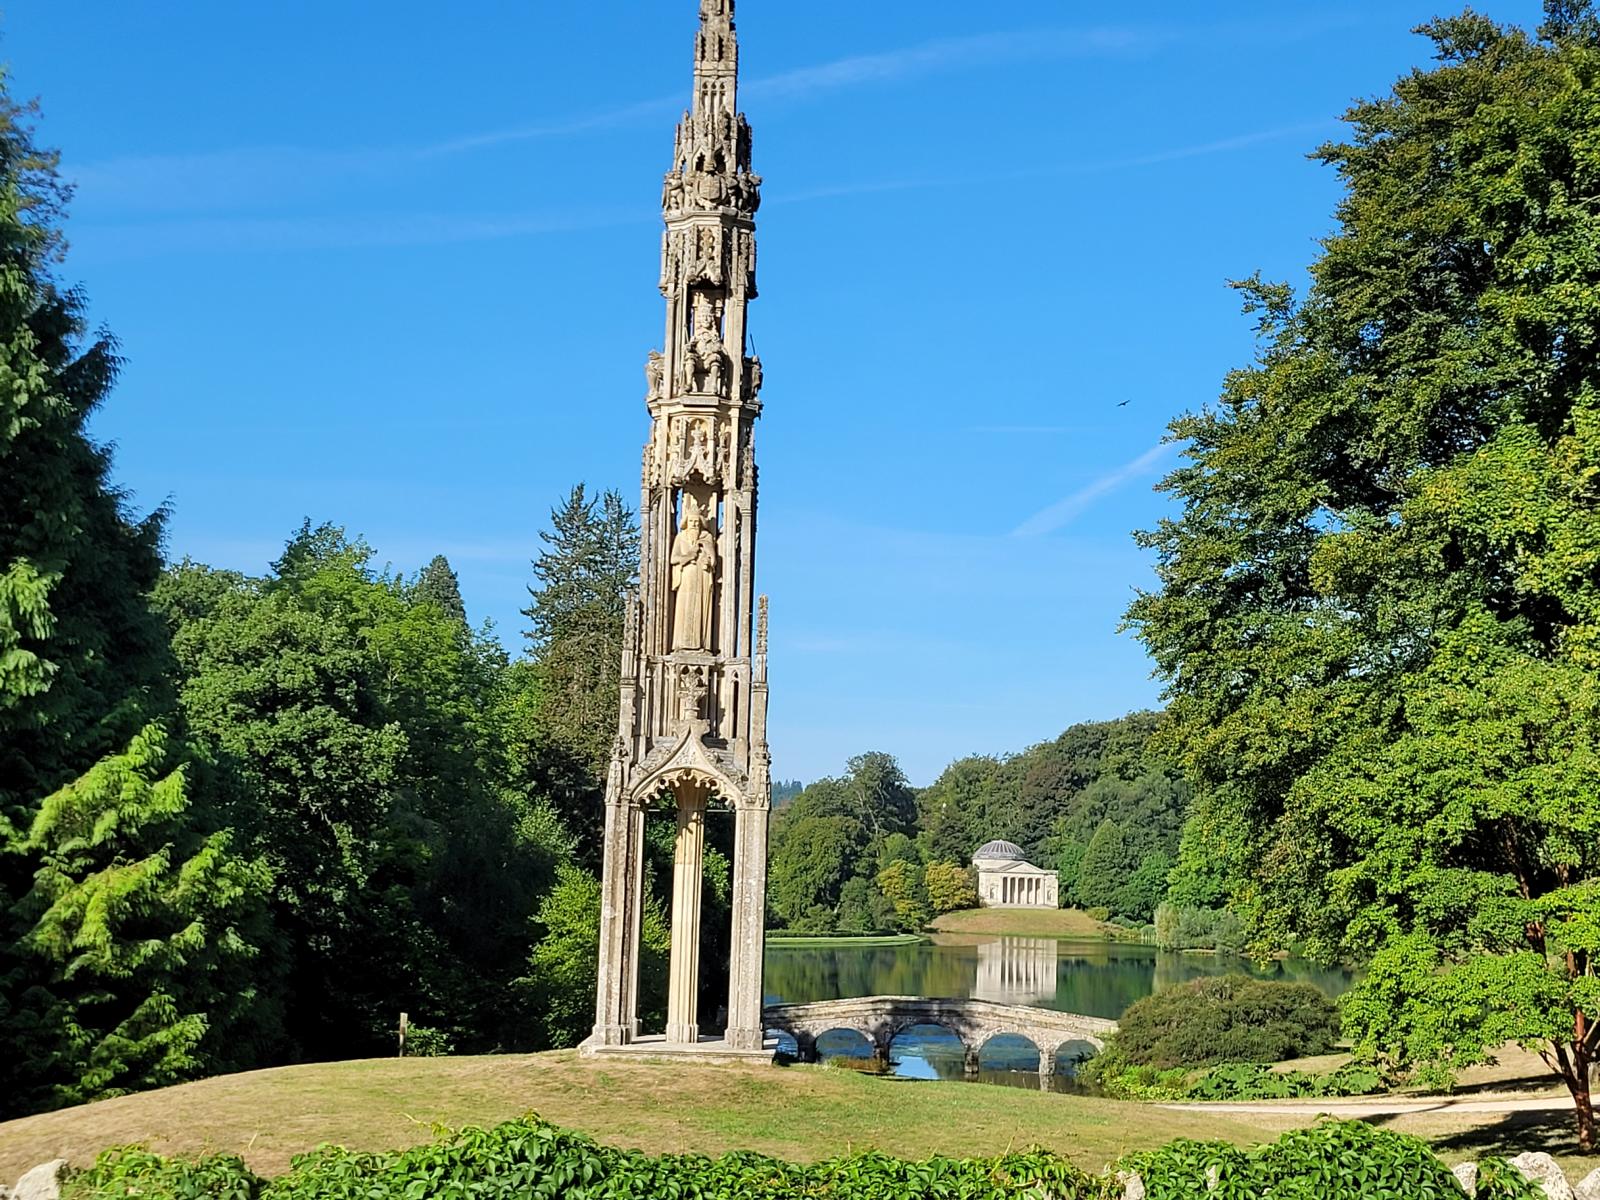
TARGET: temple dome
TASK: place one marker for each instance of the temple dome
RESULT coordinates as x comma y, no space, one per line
999,851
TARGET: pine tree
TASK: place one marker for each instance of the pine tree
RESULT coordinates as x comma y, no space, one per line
438,585
585,574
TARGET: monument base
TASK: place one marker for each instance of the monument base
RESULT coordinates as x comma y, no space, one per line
655,1046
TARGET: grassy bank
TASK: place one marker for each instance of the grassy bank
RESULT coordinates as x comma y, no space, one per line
884,939
798,1113
1023,922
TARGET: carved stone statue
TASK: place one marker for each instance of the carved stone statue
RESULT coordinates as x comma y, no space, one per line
655,370
694,572
752,378
704,361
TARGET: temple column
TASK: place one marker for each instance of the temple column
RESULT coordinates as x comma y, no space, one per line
683,983
749,928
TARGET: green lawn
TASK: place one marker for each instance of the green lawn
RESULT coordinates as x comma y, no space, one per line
799,1113
1024,922
882,939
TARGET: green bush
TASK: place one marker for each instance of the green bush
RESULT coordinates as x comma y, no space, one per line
1232,1018
531,1159
1349,1160
1254,1081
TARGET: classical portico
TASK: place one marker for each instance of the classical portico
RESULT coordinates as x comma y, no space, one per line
691,733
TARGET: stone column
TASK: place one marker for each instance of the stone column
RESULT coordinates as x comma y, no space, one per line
970,1060
1047,1067
636,905
683,983
613,1017
749,927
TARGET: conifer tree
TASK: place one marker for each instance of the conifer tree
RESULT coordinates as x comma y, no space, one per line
438,585
123,921
585,574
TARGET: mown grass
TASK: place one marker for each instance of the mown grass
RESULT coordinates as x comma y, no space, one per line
797,1113
886,939
1023,922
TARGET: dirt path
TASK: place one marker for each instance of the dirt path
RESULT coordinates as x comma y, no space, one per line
1381,1107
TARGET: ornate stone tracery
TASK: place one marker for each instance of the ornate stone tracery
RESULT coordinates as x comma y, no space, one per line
692,721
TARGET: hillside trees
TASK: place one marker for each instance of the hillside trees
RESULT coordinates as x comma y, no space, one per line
354,734
1379,611
126,916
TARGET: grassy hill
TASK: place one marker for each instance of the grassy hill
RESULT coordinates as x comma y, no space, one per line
799,1113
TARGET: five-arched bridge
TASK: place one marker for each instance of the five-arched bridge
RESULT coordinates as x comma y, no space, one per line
974,1022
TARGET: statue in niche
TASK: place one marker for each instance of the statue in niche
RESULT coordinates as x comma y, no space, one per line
704,360
694,570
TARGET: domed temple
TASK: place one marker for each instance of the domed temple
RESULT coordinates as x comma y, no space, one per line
1006,879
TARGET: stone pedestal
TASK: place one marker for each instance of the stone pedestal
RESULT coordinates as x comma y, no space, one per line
683,986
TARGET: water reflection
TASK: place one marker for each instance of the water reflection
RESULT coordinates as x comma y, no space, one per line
1096,978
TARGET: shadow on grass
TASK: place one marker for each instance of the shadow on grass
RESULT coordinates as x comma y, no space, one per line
1508,1134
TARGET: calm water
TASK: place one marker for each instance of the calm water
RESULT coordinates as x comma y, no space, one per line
1099,979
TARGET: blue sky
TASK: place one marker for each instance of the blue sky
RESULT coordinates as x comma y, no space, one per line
394,266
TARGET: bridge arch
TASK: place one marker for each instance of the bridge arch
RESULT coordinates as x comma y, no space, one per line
881,1019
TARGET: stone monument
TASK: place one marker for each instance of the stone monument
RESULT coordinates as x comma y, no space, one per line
692,731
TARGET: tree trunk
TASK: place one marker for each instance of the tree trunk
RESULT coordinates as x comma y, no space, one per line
1574,1071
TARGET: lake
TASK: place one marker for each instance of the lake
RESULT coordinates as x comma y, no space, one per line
1096,978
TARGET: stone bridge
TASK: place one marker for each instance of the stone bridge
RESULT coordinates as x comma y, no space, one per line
880,1018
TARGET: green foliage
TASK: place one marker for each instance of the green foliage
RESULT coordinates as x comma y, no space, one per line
1379,612
901,883
1350,1160
137,947
126,917
585,574
1256,1081
355,738
1198,929
423,1041
530,1158
437,585
562,967
1231,1018
950,887
830,843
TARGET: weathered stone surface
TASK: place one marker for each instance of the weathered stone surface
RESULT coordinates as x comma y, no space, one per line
41,1183
1589,1188
1467,1176
1546,1172
692,725
1132,1185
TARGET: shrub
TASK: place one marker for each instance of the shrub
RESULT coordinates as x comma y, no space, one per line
1229,1019
528,1158
1349,1160
1098,914
1254,1081
950,886
1198,929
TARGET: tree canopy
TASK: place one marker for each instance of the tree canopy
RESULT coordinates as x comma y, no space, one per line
1379,611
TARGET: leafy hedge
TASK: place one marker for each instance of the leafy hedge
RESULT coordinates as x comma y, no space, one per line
1231,1018
530,1158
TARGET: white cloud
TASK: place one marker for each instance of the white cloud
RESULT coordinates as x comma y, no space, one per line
1062,512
